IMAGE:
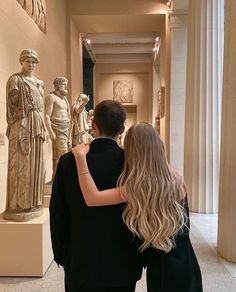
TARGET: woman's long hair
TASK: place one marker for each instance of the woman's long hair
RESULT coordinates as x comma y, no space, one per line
153,191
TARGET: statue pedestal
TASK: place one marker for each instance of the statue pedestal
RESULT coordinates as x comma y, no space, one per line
47,195
25,247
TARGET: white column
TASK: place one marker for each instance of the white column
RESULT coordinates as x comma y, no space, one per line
178,34
203,103
227,203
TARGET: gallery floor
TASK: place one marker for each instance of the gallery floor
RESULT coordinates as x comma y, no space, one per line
218,275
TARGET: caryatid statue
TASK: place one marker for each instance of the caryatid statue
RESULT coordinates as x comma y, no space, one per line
81,126
26,133
58,120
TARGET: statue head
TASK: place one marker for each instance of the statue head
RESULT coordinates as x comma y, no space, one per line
90,113
28,53
60,84
90,116
83,98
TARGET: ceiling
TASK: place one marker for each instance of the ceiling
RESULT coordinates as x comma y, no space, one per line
121,32
121,47
121,38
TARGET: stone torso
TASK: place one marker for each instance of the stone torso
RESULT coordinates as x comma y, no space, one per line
61,109
34,91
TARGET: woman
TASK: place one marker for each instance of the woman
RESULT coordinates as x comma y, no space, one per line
26,134
156,209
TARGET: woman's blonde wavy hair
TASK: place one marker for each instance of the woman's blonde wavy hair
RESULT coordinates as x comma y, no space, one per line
153,190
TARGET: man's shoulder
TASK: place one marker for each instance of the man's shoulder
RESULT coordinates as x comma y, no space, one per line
66,165
105,152
66,158
106,141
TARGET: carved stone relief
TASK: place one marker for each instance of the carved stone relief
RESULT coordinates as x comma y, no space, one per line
161,102
123,91
36,9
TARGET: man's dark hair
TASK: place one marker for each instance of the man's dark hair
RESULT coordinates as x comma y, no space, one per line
109,116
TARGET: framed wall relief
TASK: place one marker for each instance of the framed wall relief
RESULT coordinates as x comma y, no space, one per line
123,91
161,101
36,9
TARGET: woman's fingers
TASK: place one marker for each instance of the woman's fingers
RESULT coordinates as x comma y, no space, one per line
80,150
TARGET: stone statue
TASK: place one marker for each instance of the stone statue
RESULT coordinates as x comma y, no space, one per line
58,120
26,134
121,137
157,123
80,121
89,120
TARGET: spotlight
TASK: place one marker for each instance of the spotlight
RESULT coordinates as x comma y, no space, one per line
169,3
88,41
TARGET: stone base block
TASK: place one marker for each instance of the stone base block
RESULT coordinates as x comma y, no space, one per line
46,201
47,195
25,215
25,247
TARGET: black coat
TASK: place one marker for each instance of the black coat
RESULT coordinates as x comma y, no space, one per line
92,243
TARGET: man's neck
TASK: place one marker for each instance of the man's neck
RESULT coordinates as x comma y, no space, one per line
107,136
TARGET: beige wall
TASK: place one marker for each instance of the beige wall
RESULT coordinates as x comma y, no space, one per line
141,74
105,7
120,23
74,61
18,31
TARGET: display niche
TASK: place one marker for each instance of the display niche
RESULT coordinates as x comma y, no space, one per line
88,65
131,118
131,114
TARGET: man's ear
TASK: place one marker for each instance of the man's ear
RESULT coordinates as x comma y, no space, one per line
94,126
122,130
95,129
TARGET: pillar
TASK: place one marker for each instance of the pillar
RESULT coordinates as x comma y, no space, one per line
203,103
227,199
178,35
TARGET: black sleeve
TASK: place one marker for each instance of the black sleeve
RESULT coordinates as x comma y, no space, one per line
59,217
186,229
186,210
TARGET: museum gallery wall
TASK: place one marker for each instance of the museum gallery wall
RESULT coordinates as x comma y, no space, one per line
60,55
130,84
39,30
19,31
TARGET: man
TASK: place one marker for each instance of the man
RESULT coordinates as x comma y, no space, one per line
58,120
80,121
93,245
